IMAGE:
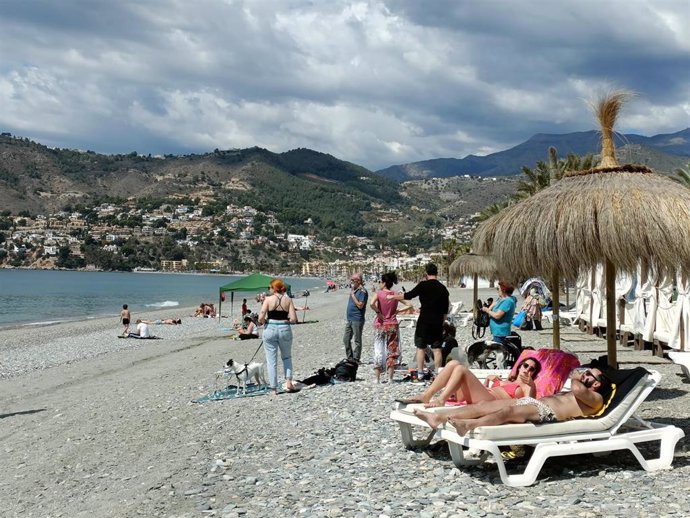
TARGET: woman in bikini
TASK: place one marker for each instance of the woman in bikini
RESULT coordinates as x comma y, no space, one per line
458,382
277,313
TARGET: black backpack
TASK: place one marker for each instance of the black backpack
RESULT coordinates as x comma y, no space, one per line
346,370
481,323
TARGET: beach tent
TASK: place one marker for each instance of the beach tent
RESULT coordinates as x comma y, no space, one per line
251,283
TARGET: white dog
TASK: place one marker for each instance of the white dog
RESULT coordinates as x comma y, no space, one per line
244,373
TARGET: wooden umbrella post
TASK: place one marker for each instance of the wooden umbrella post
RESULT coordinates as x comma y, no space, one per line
611,313
475,294
555,305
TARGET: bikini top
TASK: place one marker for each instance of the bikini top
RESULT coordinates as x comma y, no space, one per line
509,388
277,314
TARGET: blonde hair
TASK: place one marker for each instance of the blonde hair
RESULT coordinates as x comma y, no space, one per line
278,286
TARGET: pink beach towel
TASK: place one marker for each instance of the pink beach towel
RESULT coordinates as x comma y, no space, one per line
555,367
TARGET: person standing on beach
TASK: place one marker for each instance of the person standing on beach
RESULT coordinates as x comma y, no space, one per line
387,353
356,307
278,313
501,312
125,319
244,307
434,300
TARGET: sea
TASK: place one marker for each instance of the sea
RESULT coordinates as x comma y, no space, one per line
43,297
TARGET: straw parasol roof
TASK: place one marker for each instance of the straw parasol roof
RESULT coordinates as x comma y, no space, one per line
621,214
473,264
613,215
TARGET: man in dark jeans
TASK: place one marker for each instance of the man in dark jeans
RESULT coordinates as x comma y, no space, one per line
356,306
434,302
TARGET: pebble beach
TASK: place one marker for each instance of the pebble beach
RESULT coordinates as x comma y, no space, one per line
96,425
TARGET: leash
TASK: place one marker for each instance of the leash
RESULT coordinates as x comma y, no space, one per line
246,365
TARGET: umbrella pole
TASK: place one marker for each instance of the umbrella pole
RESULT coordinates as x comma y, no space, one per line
475,294
555,305
611,313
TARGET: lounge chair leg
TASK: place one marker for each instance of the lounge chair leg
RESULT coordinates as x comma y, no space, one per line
460,459
408,437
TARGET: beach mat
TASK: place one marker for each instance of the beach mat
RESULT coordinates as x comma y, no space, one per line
232,392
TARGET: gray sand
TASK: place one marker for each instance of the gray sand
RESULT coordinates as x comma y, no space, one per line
93,425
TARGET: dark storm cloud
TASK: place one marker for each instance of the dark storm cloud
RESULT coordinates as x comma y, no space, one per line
373,82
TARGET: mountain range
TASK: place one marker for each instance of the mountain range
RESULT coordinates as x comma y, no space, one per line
663,153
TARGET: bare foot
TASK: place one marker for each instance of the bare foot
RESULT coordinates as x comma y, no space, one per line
434,403
432,419
460,425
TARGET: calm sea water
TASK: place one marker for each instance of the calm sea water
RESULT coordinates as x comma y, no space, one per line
41,296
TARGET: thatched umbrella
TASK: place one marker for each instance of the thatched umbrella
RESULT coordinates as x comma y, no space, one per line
612,215
474,265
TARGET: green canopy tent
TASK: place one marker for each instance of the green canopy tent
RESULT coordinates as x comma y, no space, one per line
252,283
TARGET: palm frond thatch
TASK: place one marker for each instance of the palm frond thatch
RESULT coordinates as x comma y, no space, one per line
619,214
607,109
473,264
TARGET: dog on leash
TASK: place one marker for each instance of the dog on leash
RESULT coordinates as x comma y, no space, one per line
245,373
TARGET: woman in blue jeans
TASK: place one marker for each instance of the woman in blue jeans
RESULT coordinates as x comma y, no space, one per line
277,314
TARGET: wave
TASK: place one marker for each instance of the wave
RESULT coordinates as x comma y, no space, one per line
44,323
164,304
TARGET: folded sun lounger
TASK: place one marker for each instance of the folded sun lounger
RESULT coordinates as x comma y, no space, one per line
616,429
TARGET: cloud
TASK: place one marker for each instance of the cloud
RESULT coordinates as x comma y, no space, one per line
373,82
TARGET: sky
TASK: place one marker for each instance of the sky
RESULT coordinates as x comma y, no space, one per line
376,83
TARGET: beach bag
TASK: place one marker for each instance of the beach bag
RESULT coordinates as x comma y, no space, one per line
481,322
519,319
346,370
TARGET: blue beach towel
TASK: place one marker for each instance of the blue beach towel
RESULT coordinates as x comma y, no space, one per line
232,392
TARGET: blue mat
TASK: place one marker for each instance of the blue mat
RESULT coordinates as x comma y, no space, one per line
232,392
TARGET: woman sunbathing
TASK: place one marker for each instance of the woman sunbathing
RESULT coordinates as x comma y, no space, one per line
459,382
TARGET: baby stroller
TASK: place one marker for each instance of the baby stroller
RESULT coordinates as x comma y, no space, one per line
487,354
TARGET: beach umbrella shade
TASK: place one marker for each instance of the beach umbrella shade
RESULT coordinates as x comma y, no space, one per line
613,215
475,265
251,283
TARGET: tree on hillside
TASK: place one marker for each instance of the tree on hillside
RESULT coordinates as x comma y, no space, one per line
452,249
492,210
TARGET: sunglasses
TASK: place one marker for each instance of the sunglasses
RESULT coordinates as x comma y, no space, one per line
529,367
591,374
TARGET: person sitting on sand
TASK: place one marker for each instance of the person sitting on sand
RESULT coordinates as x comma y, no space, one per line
584,399
459,382
141,332
249,330
166,321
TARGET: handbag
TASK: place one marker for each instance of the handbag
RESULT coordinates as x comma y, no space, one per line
519,319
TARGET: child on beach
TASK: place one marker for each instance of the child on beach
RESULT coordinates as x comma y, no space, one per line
125,318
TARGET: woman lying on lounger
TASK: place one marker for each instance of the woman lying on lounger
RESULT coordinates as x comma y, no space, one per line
584,399
461,383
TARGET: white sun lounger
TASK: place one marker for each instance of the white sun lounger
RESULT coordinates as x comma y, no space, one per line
681,358
617,430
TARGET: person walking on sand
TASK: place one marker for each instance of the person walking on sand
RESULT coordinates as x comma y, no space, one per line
244,307
125,319
434,300
356,307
